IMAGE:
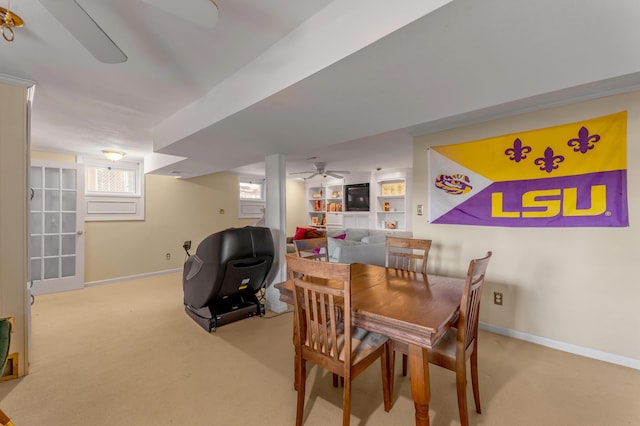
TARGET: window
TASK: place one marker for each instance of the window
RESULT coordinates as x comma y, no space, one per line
251,196
109,180
114,191
252,190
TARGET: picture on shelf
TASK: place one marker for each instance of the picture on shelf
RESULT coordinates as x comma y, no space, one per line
396,188
391,224
314,220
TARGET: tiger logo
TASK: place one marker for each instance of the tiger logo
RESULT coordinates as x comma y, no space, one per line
454,184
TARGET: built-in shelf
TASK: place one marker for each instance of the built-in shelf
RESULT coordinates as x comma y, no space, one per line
325,204
391,203
388,203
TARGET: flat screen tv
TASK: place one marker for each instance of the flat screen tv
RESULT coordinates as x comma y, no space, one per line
357,197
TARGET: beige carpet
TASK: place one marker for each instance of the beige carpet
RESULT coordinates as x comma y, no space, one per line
127,354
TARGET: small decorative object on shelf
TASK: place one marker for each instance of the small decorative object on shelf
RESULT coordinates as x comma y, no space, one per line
391,224
314,220
335,207
386,206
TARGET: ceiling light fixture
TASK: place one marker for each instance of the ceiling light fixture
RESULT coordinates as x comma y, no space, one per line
113,155
9,20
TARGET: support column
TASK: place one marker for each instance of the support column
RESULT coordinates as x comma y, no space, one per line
275,219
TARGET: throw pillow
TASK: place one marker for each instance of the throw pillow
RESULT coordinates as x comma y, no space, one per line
340,237
300,233
313,233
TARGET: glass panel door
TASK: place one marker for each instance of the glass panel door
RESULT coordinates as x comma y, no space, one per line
56,234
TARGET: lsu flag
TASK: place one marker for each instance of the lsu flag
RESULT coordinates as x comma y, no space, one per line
564,176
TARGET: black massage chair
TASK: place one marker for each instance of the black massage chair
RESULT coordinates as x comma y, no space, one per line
221,279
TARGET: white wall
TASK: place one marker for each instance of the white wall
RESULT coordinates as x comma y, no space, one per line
296,205
572,285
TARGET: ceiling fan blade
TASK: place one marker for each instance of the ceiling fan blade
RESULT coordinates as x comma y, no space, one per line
332,174
200,12
344,172
301,173
85,30
309,177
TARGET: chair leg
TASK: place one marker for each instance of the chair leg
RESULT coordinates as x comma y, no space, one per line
461,388
404,364
346,402
474,380
301,379
335,380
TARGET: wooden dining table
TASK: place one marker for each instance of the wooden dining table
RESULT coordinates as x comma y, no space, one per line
409,307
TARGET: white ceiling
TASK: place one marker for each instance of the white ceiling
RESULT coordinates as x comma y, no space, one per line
347,81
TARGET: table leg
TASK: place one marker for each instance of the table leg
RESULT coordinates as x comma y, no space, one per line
420,390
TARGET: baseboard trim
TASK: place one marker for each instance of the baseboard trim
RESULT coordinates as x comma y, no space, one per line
131,277
565,347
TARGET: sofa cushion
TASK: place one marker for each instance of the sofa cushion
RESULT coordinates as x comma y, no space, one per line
373,239
357,234
335,245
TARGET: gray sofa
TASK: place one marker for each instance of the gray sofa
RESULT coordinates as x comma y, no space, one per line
360,245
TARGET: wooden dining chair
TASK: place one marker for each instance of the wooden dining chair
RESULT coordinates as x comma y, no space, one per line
334,345
407,254
313,248
461,343
316,249
6,328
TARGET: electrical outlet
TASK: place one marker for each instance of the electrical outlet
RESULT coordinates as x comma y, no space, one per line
168,256
497,298
187,245
419,209
221,211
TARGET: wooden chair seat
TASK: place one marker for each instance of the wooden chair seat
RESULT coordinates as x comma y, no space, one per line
363,343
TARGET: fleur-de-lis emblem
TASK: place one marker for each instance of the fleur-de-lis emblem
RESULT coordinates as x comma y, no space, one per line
549,162
518,152
583,142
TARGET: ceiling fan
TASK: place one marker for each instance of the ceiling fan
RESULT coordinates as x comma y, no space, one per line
320,169
87,31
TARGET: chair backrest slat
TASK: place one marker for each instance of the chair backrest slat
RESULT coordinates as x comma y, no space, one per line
470,303
409,254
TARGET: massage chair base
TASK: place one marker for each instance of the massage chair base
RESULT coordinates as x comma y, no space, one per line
211,317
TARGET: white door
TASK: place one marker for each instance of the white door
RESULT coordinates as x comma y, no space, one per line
56,228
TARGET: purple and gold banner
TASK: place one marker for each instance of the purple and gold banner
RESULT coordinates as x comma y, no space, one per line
563,176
